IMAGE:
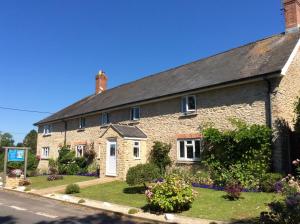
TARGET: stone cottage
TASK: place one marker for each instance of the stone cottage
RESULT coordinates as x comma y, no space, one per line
257,82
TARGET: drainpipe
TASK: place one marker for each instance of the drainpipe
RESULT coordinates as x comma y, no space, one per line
66,128
269,104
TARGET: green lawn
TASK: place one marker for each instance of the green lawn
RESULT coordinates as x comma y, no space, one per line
42,182
209,204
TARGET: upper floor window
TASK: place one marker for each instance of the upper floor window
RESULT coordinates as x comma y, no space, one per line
81,122
104,118
45,152
135,113
136,150
189,150
47,130
188,104
80,150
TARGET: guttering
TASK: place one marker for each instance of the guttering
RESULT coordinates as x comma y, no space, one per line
269,104
173,95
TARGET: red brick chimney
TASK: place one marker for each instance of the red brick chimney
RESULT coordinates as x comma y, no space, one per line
101,81
292,15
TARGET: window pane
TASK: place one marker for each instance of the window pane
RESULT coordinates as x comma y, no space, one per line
183,105
182,152
136,152
191,103
136,143
137,113
189,152
189,142
112,150
197,148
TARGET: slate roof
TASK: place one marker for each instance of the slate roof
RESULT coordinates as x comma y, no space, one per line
252,60
129,131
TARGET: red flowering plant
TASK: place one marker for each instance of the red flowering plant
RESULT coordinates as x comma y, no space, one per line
234,191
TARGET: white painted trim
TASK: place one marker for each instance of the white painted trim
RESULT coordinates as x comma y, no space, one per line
130,138
291,58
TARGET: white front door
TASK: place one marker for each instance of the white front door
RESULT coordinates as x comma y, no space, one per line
111,158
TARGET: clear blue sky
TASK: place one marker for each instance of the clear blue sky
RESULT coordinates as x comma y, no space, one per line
51,50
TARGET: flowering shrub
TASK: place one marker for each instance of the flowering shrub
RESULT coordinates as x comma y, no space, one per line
15,173
269,182
296,163
172,195
234,191
55,177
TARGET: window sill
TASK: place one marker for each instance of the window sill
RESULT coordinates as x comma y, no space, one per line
187,161
46,135
137,158
188,114
45,158
80,129
133,122
104,126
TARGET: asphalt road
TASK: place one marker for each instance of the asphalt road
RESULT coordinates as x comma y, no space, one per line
29,209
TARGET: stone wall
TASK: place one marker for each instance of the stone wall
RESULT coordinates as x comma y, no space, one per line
162,121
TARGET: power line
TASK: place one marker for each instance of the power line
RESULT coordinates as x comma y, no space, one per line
25,110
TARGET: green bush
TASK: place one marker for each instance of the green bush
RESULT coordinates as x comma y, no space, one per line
72,189
268,181
242,154
160,155
190,176
173,195
142,173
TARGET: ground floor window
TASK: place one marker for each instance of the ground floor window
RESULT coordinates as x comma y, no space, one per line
45,152
136,149
80,150
189,149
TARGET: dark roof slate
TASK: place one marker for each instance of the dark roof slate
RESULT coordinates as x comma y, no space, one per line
129,131
254,59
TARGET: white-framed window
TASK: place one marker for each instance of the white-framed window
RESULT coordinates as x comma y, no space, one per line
47,130
81,122
136,150
135,113
45,152
80,150
104,120
189,149
188,104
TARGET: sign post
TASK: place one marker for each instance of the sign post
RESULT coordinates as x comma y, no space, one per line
15,154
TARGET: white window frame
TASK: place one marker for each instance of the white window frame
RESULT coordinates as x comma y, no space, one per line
43,154
133,114
138,146
106,120
47,130
185,104
83,149
81,126
185,150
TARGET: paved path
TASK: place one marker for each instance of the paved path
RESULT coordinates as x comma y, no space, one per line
82,184
27,209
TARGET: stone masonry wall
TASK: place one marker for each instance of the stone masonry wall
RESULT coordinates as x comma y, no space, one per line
162,121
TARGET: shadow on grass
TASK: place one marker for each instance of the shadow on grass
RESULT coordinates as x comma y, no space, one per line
134,190
245,221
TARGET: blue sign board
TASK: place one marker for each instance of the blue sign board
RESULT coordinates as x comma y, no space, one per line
16,155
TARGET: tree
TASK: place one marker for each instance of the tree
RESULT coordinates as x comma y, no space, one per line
30,140
160,155
6,139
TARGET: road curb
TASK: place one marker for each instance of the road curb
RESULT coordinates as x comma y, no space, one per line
91,207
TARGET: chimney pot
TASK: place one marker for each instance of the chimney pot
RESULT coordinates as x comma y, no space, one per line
292,15
101,82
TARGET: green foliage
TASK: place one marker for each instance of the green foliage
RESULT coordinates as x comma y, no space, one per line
133,211
53,166
268,181
192,176
233,191
80,201
6,139
30,140
173,195
297,118
65,160
72,189
160,155
142,173
242,154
